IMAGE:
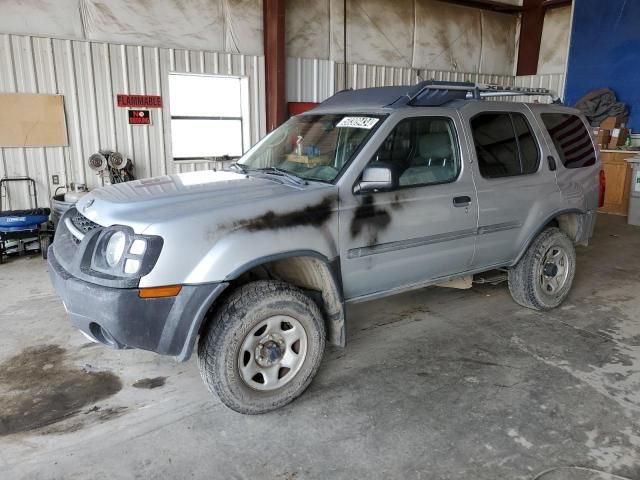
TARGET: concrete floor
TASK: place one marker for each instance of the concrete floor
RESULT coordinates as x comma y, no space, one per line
437,383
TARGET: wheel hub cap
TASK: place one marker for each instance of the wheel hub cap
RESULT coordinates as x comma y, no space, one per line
272,353
550,270
554,270
270,350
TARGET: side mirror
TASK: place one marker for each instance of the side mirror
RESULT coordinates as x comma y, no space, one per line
375,179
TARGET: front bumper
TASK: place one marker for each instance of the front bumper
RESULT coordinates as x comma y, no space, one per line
119,318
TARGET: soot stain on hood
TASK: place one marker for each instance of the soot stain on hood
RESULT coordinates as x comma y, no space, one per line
311,215
40,387
369,217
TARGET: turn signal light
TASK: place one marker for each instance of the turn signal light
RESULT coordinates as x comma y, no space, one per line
160,292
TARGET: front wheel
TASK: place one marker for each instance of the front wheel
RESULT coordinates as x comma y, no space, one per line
541,280
262,347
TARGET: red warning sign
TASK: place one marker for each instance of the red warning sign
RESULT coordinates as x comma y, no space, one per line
139,117
138,101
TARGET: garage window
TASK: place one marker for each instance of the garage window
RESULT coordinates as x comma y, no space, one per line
505,145
206,116
571,139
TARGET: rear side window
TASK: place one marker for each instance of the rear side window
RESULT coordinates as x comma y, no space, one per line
505,145
571,139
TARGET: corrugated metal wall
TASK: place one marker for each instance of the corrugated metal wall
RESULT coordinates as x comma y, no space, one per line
552,81
313,80
309,79
89,75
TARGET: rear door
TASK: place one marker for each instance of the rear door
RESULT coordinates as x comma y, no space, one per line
568,137
422,228
516,189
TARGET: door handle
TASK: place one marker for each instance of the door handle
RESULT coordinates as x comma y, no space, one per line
462,201
552,163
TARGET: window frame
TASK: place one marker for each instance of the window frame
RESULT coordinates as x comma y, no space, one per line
457,147
552,142
510,113
243,110
347,166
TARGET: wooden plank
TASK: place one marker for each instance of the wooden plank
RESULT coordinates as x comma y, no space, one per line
30,120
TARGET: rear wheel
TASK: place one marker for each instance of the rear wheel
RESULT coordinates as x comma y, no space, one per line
543,277
262,347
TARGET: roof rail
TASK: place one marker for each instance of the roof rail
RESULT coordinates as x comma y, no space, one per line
493,90
434,93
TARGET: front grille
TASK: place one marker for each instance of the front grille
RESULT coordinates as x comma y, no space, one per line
77,225
82,223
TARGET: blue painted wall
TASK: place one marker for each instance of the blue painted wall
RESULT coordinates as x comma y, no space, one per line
605,52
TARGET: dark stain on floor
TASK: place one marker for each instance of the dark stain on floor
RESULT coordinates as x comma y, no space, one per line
40,387
150,383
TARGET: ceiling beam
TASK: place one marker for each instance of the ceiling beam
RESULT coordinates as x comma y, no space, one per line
496,6
557,3
491,5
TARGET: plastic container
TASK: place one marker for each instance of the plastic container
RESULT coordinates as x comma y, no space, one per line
72,196
58,207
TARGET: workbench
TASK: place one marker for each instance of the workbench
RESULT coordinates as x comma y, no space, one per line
618,180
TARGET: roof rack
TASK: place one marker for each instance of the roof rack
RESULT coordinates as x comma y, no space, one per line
434,93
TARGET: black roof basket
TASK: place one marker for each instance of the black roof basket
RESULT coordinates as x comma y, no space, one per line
432,93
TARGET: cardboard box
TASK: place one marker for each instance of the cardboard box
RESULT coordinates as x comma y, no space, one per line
613,122
618,137
603,137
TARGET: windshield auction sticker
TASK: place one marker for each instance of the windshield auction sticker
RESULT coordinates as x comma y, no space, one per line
358,122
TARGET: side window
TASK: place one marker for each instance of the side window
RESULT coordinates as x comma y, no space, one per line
505,145
571,139
421,151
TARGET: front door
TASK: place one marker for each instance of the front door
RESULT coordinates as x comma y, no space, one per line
421,228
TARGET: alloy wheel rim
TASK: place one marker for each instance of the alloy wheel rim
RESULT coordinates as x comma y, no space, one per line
272,353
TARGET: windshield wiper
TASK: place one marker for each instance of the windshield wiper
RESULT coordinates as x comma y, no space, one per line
239,166
291,176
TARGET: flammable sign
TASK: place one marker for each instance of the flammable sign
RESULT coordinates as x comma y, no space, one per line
139,117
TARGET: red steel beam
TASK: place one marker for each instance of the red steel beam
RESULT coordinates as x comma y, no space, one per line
274,62
530,36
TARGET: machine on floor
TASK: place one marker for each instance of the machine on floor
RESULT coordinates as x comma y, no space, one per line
23,231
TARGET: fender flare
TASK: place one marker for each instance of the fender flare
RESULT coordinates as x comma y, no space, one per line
334,317
543,224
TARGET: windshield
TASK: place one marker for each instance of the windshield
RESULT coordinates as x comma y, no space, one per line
313,147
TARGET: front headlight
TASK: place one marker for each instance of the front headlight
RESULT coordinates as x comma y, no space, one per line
119,252
115,248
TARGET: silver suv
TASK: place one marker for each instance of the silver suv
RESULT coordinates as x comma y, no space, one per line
374,192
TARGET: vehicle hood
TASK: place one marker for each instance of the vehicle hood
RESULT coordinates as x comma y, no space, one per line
141,203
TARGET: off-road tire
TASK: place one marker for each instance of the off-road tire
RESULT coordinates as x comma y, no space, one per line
233,320
524,282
